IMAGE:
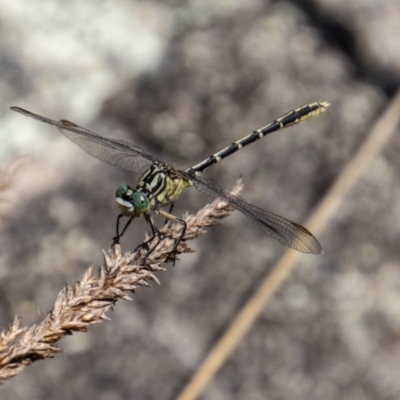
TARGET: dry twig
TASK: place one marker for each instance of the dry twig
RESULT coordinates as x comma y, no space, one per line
86,303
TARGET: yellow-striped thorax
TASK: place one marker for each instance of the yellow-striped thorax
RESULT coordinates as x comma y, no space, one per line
158,187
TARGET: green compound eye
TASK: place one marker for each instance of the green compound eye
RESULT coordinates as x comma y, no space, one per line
140,202
121,190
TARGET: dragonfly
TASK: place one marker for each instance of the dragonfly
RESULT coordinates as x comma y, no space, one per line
161,184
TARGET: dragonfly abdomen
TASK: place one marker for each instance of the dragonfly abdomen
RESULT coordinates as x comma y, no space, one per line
293,117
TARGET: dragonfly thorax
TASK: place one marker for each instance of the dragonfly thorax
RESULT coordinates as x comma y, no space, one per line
131,202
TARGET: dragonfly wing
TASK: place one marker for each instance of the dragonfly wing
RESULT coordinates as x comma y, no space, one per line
112,151
287,232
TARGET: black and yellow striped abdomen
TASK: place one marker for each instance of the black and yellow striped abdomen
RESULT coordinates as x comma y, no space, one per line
293,117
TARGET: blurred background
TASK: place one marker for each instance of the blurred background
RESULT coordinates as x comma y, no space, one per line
183,79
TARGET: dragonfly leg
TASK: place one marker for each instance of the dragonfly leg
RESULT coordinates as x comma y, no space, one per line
172,217
118,236
156,234
169,212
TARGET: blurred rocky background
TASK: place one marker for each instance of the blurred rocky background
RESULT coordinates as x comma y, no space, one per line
184,79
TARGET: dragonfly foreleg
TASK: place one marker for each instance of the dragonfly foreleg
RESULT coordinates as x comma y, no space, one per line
118,235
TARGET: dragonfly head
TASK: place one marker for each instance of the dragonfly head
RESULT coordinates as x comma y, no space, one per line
132,203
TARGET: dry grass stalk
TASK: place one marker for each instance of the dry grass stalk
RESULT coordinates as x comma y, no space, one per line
86,303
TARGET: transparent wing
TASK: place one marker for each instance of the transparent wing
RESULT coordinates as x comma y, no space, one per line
113,151
287,232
